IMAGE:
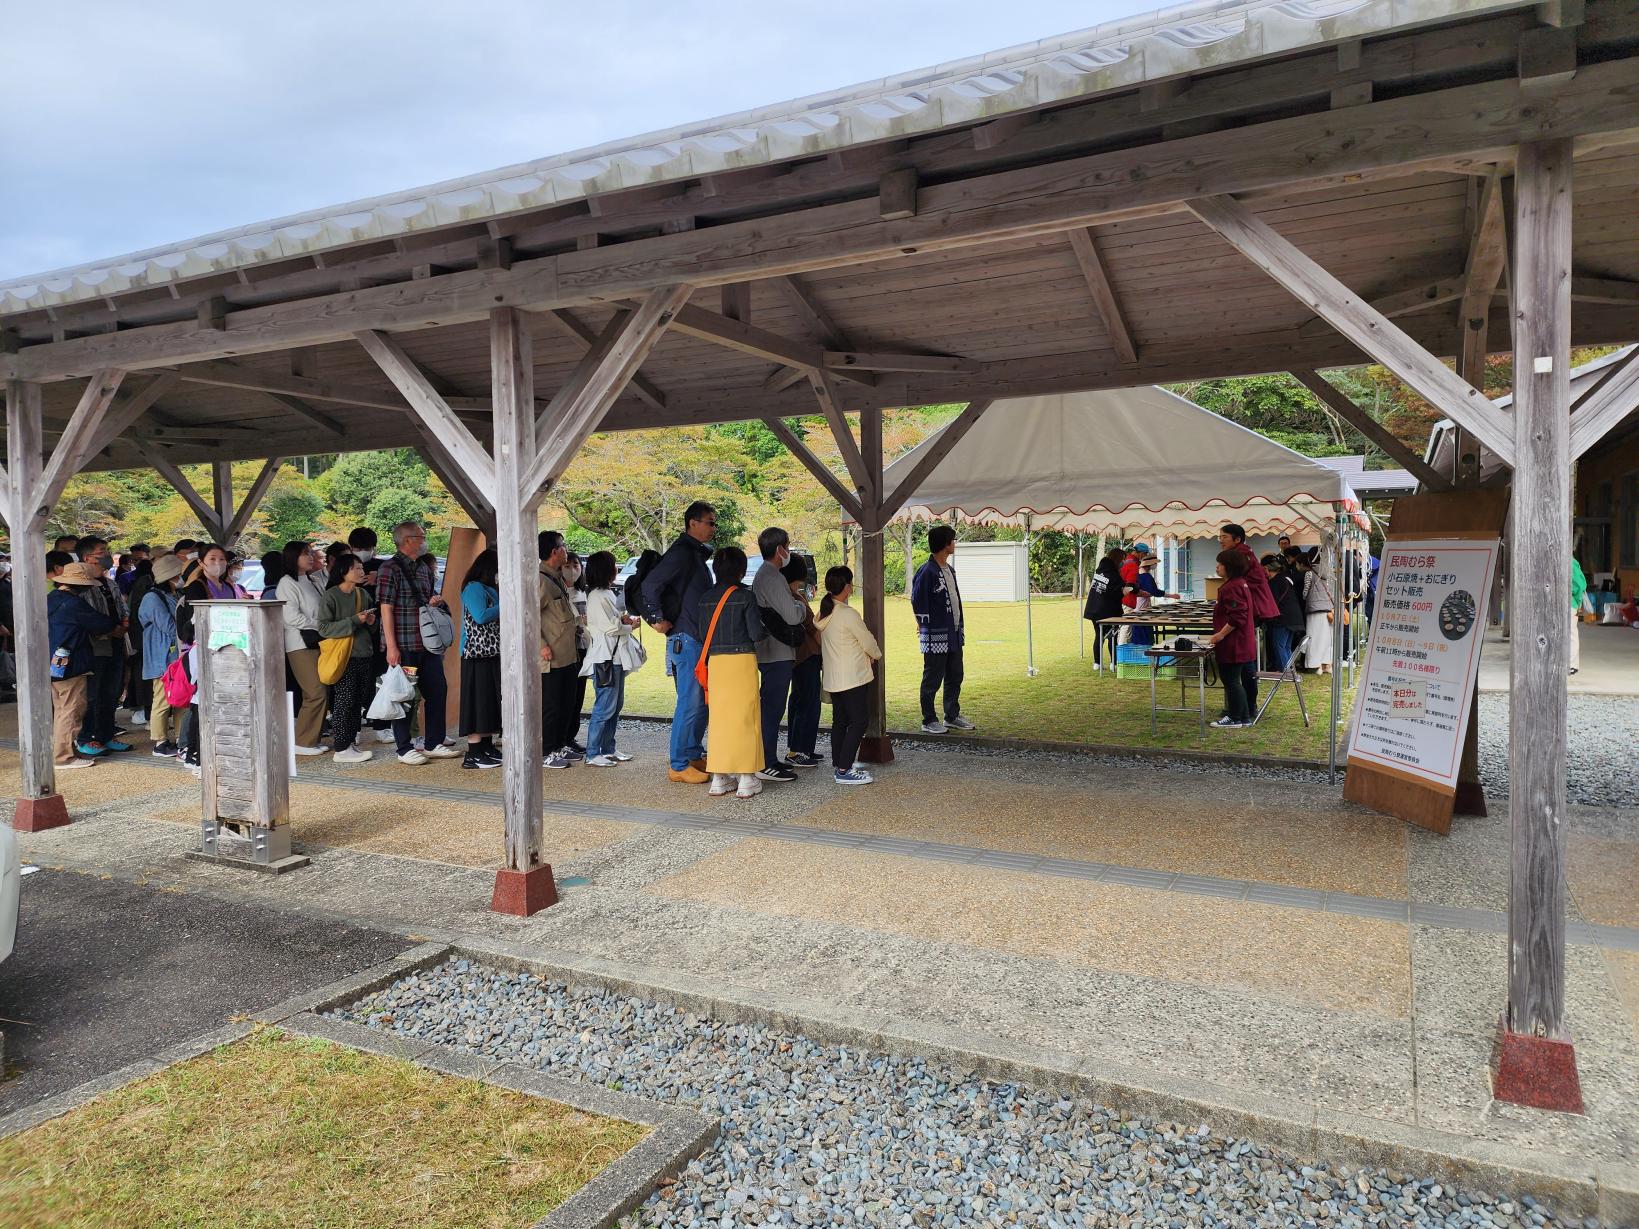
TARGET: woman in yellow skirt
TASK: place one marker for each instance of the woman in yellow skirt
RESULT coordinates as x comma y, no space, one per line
734,734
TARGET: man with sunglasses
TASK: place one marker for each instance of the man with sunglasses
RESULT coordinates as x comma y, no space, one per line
671,605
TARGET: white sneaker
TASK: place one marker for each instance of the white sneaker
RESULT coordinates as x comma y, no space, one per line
383,736
300,750
444,751
603,761
959,723
720,785
412,757
141,719
750,786
76,762
621,757
353,755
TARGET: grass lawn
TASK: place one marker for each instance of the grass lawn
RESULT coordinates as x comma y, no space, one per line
276,1130
1067,702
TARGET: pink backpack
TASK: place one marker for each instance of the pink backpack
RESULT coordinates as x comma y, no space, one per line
179,688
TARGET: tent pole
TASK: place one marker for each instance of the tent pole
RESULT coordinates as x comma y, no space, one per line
1029,613
1338,607
1081,624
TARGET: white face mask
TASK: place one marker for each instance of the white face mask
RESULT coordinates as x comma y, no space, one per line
214,569
571,573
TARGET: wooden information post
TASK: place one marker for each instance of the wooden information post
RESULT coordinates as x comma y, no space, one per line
1410,743
244,735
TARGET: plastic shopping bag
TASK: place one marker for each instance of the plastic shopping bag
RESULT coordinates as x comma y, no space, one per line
394,692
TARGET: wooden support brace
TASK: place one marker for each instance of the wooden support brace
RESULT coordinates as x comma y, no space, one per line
74,449
736,300
38,803
430,407
855,360
222,496
1373,430
825,393
124,415
1597,414
599,378
213,314
252,501
1418,297
821,471
471,501
180,484
1356,320
1097,278
318,418
941,448
641,386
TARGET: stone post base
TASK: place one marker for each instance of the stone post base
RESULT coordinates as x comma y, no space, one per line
39,814
524,893
876,749
1535,1071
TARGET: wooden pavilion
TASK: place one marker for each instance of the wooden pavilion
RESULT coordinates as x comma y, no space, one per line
1217,189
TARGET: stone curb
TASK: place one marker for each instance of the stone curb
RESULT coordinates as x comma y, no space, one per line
1307,1131
58,1104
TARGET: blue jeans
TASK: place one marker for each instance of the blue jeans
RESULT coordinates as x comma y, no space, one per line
802,731
689,718
775,690
1281,641
600,735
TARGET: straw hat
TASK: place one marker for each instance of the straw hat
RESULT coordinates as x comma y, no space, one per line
169,568
80,574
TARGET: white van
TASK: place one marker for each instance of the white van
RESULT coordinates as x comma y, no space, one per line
11,883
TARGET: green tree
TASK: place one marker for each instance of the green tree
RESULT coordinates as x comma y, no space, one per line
393,505
353,483
289,515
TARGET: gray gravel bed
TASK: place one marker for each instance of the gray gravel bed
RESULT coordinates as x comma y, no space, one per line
824,1135
1604,735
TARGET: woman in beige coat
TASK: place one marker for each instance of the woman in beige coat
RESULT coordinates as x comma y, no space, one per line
849,653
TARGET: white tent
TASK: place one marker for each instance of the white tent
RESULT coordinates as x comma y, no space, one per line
1122,462
1125,462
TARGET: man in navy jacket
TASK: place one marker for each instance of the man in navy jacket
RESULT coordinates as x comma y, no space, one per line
671,605
937,603
70,624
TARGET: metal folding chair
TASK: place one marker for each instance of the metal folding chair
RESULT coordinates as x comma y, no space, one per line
1288,675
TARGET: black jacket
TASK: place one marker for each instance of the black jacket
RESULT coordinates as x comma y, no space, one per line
1286,597
1104,592
672,591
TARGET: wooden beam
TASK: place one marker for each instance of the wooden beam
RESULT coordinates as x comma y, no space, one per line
224,374
318,418
213,314
180,484
1104,296
821,471
1597,414
896,195
1464,125
123,415
75,446
579,407
512,392
705,325
222,496
640,385
474,503
1540,546
736,300
838,361
1354,319
428,405
873,602
30,627
949,437
825,392
1604,290
818,321
1373,430
1415,298
252,501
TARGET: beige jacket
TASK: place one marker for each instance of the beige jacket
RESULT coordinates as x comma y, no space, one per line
558,622
848,649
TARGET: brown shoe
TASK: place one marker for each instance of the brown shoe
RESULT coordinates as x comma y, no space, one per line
698,765
689,776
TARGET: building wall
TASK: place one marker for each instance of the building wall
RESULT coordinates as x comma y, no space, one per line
1607,510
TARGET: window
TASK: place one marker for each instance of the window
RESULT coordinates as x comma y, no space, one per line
1627,516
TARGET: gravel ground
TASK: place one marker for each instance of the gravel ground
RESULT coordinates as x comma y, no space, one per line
1604,730
826,1135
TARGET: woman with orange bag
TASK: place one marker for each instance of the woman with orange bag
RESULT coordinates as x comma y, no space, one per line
728,674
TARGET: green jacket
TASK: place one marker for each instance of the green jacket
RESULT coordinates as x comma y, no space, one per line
337,618
1579,584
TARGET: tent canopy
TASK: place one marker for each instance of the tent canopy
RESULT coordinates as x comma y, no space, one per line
1121,462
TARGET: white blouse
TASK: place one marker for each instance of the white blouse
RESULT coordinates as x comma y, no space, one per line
611,639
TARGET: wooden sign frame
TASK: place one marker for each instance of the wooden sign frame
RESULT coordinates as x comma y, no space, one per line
1456,515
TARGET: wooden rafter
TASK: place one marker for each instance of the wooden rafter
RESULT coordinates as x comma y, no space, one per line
318,418
1603,407
1097,278
1420,296
1373,430
429,405
1377,336
821,471
252,500
641,386
825,392
123,415
818,321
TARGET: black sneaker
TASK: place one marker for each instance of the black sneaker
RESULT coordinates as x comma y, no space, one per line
577,748
490,756
801,759
777,772
476,759
165,750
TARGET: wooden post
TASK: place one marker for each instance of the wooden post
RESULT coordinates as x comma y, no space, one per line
524,884
222,498
39,805
876,747
1534,1063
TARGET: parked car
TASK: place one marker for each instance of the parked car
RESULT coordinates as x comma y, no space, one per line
252,577
11,889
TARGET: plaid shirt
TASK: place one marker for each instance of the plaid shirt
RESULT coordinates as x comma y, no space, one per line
396,587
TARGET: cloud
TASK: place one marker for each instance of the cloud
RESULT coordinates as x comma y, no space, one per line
131,126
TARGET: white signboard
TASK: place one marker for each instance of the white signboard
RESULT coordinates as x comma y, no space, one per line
1412,710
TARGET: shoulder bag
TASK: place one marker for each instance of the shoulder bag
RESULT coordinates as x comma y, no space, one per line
336,651
700,667
434,622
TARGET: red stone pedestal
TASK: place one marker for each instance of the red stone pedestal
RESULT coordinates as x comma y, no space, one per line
1535,1071
875,749
524,893
38,814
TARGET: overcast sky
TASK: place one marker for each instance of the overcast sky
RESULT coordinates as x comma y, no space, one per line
130,125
